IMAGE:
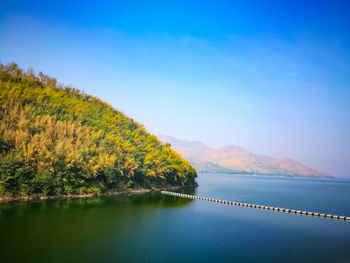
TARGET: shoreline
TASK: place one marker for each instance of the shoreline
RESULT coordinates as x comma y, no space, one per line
111,193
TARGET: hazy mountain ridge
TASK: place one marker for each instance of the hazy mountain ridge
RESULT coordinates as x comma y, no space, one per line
235,159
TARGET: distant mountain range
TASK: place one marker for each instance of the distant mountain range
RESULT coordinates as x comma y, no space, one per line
235,159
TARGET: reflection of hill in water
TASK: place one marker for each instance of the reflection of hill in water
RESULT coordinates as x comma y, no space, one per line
115,223
19,209
156,199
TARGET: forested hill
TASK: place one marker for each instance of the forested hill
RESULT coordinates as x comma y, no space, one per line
58,140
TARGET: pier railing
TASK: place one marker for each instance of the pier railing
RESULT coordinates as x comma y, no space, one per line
285,210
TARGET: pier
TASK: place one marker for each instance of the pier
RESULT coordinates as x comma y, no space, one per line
284,210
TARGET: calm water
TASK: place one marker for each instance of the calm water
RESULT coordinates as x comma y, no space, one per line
157,228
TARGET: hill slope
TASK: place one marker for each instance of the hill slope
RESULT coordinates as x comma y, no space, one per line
59,140
234,159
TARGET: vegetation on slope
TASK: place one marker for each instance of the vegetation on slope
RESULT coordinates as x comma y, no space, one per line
58,140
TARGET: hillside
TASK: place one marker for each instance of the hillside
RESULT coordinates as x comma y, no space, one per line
58,140
235,159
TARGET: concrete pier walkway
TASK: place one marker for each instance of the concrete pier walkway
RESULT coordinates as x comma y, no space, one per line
285,210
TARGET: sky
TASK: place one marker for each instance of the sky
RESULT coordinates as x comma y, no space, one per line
270,76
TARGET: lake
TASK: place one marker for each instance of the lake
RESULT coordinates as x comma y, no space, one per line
157,228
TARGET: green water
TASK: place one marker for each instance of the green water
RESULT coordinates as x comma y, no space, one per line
156,228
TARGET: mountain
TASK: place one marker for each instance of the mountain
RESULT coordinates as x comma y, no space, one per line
58,140
235,159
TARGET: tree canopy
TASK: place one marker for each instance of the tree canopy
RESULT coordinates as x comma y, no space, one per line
58,140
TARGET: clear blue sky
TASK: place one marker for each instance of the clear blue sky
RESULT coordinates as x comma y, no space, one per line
271,76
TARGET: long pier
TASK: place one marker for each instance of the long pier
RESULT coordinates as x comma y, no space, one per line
285,210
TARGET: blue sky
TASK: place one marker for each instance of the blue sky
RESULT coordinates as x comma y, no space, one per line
270,76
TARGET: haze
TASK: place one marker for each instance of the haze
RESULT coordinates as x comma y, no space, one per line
271,77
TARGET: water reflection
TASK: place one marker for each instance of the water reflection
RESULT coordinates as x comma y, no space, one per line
155,228
21,209
156,199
